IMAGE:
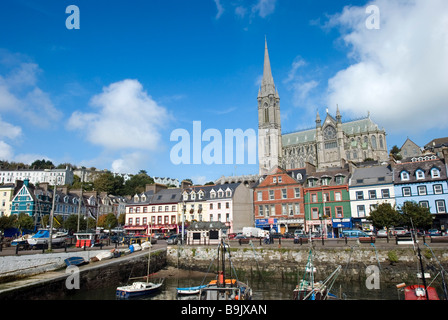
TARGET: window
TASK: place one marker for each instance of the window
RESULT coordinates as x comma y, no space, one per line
290,209
284,196
337,196
339,212
361,211
153,209
421,190
160,208
440,205
314,197
312,182
279,179
404,175
438,189
297,208
315,213
328,212
259,196
385,193
339,179
424,204
211,207
326,197
271,195
227,205
420,174
372,194
274,179
137,210
406,191
260,210
130,221
219,205
297,192
359,195
325,181
272,210
284,212
435,173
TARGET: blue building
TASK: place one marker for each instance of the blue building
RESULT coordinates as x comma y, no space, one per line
36,202
424,180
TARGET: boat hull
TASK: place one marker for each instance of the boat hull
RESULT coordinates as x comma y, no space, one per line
417,292
131,292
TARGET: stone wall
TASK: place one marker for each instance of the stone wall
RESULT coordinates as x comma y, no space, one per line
284,262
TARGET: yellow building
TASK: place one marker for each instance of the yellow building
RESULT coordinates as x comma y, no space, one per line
6,195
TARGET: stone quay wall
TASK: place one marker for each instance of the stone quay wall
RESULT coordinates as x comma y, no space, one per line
397,264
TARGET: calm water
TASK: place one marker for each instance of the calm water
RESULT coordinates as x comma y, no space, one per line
267,289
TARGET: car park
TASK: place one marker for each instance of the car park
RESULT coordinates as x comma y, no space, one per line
381,233
400,231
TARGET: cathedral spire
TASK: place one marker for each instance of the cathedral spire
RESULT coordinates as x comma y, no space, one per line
267,84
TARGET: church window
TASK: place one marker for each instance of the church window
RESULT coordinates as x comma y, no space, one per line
266,113
381,142
329,133
373,138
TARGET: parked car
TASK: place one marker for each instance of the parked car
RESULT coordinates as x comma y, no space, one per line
172,239
231,235
354,233
434,232
381,233
240,236
400,231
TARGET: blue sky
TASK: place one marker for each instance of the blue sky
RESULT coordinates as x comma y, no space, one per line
110,93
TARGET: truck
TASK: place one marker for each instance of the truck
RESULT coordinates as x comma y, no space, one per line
252,232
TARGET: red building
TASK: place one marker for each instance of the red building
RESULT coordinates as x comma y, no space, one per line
278,201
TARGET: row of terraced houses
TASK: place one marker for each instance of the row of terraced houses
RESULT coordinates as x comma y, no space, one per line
327,200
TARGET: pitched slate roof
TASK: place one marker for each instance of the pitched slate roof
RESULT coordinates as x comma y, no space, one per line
425,166
371,176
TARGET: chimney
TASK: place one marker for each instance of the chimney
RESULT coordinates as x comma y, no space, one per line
155,187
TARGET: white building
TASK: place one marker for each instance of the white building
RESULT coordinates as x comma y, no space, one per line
63,176
369,187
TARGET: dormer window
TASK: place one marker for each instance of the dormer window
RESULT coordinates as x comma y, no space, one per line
200,194
339,179
435,173
404,175
228,193
193,195
220,193
185,196
213,194
325,181
136,198
420,174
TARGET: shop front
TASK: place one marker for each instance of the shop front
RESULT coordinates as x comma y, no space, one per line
340,224
267,224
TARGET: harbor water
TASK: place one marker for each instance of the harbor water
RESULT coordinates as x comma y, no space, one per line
263,289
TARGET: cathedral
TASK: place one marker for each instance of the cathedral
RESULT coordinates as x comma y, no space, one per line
330,144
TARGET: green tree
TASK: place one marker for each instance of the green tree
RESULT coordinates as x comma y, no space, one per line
122,219
137,183
71,223
412,214
108,221
7,222
395,152
24,221
384,216
43,164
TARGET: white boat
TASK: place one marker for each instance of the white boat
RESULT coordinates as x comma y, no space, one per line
104,255
42,237
135,247
146,245
139,288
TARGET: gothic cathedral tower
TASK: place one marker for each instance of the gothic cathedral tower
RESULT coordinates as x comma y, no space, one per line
269,127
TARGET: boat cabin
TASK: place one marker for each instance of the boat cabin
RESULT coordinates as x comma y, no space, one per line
88,239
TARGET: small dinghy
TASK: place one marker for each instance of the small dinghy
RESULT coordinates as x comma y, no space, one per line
75,261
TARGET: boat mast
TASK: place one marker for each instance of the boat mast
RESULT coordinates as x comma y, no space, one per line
149,261
423,272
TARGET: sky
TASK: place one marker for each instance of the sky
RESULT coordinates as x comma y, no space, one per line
108,83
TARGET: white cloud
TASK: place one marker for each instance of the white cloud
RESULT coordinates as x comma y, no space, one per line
20,95
129,163
8,130
6,152
300,87
399,72
126,118
264,7
220,9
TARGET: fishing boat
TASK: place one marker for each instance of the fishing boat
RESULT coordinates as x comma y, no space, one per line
418,292
190,290
42,237
309,289
225,288
140,288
